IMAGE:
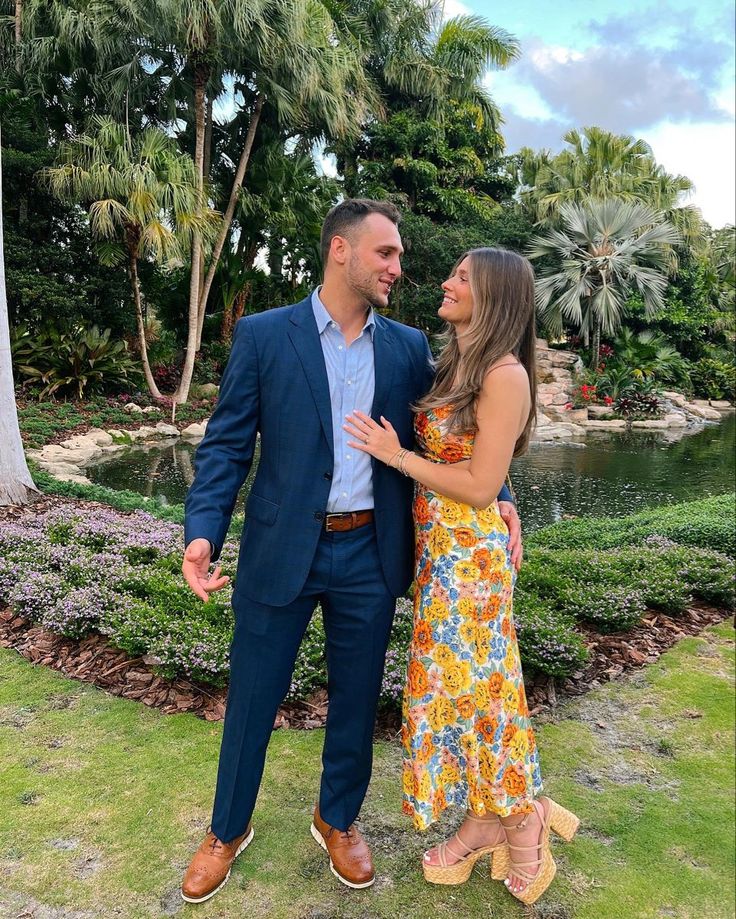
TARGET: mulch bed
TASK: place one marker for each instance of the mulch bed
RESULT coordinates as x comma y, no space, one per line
94,660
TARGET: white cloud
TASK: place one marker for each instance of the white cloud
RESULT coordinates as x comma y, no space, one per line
452,8
706,154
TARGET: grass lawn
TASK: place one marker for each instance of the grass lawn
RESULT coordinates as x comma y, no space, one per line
103,801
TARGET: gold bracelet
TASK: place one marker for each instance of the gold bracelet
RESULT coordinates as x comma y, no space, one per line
391,461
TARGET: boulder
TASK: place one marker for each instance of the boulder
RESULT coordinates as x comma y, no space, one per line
208,390
151,410
615,424
79,456
98,436
600,412
194,431
676,419
69,477
167,430
702,411
132,409
655,424
676,398
144,432
721,405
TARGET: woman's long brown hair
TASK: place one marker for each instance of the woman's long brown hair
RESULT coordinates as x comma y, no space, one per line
503,322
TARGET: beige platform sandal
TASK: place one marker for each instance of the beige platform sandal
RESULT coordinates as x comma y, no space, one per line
556,818
459,872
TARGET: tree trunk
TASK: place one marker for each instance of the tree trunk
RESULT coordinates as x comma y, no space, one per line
595,343
230,210
16,484
200,81
18,32
142,345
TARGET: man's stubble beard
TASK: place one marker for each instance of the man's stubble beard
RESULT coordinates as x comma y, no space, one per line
364,284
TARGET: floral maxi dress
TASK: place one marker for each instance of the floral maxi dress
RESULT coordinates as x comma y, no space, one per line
466,735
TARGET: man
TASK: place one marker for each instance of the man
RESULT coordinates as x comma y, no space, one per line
324,524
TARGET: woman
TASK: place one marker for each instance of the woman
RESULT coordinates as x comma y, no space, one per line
466,733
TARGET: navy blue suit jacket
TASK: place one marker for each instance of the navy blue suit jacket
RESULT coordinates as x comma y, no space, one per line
276,384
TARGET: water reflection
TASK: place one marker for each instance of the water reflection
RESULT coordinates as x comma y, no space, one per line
611,474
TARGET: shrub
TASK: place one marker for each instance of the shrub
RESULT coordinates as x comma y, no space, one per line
713,379
548,641
74,359
608,607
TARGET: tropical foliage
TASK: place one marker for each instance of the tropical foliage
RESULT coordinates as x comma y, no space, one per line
606,250
171,163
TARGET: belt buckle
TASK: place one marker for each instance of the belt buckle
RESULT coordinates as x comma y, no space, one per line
328,528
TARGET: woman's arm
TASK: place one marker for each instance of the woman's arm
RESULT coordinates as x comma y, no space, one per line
502,409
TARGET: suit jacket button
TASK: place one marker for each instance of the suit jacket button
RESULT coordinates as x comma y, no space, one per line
318,515
328,476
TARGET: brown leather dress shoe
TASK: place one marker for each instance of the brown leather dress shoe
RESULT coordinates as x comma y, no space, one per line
350,857
210,868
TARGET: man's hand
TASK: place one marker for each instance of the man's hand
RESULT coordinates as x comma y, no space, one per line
195,568
510,517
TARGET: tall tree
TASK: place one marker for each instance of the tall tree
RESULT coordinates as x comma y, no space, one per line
605,250
16,484
599,164
143,201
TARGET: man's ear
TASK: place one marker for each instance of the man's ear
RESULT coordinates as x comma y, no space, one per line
339,249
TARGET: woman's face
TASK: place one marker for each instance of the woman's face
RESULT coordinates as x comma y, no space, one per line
457,304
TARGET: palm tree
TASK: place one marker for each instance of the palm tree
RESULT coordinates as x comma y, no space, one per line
600,164
16,484
418,61
605,250
288,56
143,201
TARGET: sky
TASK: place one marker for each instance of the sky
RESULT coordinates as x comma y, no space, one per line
663,72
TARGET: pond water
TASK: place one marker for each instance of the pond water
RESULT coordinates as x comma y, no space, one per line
607,475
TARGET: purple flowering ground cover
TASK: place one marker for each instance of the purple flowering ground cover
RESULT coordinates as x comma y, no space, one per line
75,569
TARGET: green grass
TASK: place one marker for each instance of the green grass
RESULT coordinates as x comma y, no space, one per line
104,801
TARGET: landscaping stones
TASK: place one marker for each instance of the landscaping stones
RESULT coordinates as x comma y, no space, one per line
132,409
194,431
207,390
613,424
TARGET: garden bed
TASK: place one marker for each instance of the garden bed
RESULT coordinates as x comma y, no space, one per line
99,594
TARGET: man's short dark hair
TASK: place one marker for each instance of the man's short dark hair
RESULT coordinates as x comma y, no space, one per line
350,213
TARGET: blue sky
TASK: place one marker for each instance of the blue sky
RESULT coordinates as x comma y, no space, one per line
660,71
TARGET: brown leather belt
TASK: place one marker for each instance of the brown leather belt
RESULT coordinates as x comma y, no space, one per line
341,523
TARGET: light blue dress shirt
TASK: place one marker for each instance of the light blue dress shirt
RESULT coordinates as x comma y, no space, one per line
351,377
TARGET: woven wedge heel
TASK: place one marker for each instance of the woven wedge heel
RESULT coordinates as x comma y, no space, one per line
554,817
561,821
459,872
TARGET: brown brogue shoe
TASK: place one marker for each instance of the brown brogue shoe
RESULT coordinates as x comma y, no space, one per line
209,870
350,857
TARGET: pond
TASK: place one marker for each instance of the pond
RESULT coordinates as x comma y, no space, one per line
606,475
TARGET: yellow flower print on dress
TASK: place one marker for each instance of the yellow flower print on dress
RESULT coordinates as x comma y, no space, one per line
440,542
452,513
444,655
440,713
465,570
456,678
436,610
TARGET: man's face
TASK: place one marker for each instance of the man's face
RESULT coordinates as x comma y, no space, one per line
373,259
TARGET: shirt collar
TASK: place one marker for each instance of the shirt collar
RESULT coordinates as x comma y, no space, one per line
323,318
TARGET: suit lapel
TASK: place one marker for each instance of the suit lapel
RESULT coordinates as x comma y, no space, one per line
305,339
384,366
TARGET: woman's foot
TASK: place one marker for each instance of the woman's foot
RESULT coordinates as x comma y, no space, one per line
475,833
525,834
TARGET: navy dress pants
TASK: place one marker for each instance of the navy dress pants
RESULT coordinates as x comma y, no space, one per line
358,609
